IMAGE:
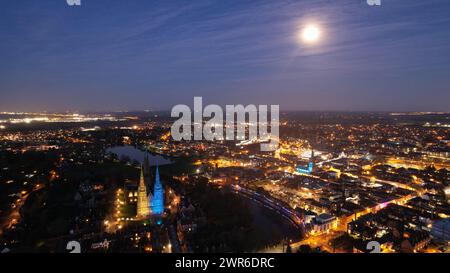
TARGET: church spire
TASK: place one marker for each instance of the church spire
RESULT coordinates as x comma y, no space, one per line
157,174
142,177
158,195
146,164
143,208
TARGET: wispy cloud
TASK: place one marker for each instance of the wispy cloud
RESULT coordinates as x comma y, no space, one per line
148,46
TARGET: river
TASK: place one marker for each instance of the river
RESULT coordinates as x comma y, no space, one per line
267,223
138,155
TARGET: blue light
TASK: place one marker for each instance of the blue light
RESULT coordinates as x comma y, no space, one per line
304,170
158,196
309,169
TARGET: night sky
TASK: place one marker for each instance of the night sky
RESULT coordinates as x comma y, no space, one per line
109,55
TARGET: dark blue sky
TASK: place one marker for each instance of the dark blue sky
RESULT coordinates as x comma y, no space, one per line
153,54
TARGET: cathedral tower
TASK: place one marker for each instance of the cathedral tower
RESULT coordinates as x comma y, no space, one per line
143,204
148,176
158,195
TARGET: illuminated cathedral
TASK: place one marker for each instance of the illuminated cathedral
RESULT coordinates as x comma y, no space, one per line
144,199
148,204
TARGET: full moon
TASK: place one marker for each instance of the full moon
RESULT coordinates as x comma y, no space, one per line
311,34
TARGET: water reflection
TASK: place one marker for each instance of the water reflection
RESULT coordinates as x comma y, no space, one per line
138,155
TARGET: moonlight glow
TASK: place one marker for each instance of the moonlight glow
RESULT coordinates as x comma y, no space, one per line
311,34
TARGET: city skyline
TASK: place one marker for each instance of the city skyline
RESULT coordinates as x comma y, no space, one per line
153,55
215,134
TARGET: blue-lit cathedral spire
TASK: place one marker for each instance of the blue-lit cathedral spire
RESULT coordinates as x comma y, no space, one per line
158,195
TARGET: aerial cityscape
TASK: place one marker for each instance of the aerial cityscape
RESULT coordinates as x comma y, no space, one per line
89,162
120,183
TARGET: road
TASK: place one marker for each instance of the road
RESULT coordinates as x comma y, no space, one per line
13,216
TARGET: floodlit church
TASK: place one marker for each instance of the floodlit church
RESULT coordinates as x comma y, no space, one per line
144,199
149,204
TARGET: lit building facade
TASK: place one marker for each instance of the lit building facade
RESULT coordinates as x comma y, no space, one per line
324,223
310,168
